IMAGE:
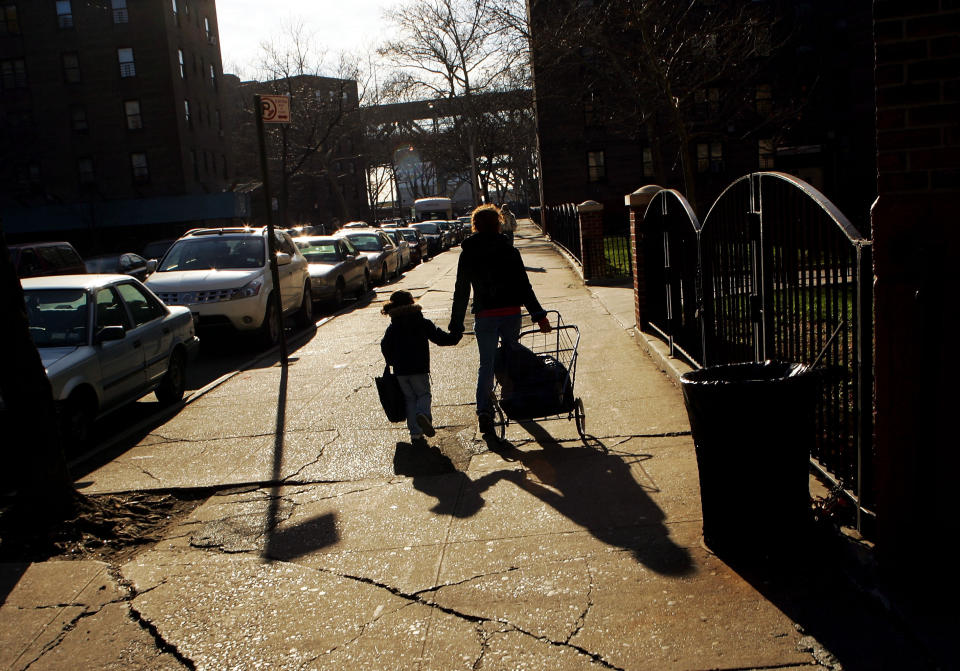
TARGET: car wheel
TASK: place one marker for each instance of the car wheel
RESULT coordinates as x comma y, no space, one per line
76,421
174,383
364,285
305,313
269,334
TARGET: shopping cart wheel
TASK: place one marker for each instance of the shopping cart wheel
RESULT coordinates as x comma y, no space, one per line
580,417
500,421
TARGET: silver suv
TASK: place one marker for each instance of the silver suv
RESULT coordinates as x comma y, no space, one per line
223,276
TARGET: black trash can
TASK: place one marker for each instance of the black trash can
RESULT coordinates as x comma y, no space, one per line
753,430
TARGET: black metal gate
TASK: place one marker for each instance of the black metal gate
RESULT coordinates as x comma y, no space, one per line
786,276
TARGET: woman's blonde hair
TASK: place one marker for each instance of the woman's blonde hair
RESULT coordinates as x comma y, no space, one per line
486,219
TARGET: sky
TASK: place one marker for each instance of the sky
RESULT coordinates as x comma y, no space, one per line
337,25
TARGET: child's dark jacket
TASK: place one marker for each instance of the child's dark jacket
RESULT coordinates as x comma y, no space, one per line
405,344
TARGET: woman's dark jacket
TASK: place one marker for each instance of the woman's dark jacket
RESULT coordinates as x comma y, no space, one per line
493,268
404,343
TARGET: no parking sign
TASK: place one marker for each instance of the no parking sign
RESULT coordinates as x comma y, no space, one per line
275,109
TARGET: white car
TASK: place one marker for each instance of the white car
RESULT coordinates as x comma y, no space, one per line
223,276
106,340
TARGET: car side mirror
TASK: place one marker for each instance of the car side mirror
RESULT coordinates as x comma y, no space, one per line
283,259
110,333
151,265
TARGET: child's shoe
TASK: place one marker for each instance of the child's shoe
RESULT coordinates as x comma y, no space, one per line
424,423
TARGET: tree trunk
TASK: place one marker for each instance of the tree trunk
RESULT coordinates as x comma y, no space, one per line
35,454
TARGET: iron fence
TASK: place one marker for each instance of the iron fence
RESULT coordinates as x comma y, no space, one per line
774,272
562,224
668,243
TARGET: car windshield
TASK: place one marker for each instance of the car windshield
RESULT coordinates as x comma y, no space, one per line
366,243
322,253
409,236
217,253
57,317
430,229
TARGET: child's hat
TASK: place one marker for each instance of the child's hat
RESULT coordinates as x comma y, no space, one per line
398,299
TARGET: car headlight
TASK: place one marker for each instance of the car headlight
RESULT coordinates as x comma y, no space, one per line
319,280
248,290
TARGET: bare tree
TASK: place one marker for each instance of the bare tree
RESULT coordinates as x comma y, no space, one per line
649,67
451,49
322,144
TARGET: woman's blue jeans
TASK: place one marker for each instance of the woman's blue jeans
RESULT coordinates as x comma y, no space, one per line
489,331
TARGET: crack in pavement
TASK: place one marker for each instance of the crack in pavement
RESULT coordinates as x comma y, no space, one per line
480,619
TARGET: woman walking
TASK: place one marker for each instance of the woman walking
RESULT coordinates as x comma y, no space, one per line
492,268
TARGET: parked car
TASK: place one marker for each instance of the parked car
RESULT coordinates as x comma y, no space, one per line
157,248
35,259
223,276
419,248
447,233
337,268
356,224
130,264
106,340
403,248
432,233
380,251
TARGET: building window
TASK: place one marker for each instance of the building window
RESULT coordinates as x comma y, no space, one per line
186,113
183,70
213,77
78,119
206,30
119,11
127,67
85,171
131,108
176,15
219,121
138,165
9,25
13,74
764,99
648,163
710,157
64,14
194,164
766,154
596,167
71,67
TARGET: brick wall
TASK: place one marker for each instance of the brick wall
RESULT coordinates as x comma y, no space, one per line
916,232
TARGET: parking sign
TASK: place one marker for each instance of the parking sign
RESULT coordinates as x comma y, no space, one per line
275,109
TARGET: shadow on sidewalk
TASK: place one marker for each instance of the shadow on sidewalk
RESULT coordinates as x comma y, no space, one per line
307,536
597,490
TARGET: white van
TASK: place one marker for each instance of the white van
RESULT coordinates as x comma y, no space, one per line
428,209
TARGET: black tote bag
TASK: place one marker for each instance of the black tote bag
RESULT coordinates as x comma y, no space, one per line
391,396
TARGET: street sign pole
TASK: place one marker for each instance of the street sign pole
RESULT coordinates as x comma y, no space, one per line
271,238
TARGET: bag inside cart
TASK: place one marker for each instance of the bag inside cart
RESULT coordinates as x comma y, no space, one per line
532,384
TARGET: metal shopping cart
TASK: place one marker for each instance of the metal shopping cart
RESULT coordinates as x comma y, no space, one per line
536,380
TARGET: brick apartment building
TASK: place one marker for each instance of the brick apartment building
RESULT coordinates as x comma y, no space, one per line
113,121
809,112
321,151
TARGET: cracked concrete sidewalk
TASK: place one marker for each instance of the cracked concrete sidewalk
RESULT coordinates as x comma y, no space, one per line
333,544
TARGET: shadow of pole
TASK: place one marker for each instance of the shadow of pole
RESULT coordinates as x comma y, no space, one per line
273,508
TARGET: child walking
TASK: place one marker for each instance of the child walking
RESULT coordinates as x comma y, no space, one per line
406,349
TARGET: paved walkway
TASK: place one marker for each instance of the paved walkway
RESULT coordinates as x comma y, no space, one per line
330,543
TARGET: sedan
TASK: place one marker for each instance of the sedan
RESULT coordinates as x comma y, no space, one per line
337,268
432,233
381,253
106,340
130,264
403,248
419,249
